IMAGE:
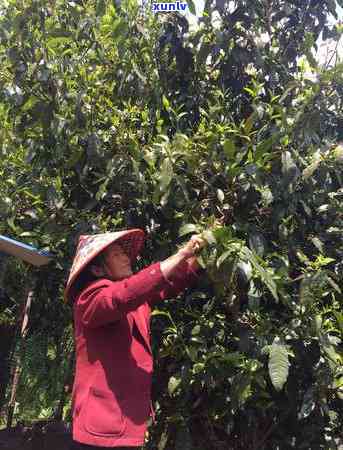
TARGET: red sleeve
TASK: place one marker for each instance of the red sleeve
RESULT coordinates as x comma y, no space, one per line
185,275
106,301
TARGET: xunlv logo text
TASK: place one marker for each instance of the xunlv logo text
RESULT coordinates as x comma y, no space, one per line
177,6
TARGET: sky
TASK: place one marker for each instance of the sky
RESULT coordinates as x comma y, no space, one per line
324,48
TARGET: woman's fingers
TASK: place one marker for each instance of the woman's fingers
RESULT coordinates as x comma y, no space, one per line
195,243
199,240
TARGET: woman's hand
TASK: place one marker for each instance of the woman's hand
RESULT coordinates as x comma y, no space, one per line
195,243
186,253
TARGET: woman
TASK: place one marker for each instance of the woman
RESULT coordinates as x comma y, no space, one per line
112,306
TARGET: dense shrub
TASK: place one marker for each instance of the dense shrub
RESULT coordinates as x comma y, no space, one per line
112,118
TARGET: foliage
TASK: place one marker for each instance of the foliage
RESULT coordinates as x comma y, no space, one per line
113,117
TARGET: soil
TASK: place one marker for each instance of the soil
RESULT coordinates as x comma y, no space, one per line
41,435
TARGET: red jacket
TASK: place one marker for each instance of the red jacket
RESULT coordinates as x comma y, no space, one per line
112,386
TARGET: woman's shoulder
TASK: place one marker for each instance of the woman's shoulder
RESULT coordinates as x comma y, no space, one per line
93,286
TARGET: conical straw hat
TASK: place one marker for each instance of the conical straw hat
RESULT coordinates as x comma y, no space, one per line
90,246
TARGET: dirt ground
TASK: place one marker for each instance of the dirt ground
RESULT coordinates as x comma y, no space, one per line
43,435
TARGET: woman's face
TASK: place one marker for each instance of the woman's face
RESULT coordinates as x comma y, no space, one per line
117,262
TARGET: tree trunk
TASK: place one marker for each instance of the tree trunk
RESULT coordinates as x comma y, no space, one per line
17,370
7,333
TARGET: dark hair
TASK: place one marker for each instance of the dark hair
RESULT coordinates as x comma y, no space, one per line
86,276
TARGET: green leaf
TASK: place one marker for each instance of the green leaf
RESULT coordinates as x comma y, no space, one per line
292,85
165,197
30,103
191,6
329,350
289,168
278,364
240,390
229,148
157,312
250,91
11,224
318,244
312,287
52,43
222,258
188,228
100,8
163,440
198,367
192,353
201,261
220,195
209,237
165,102
196,330
308,404
309,170
266,350
173,384
245,270
257,242
60,32
264,147
324,260
28,234
334,285
74,158
318,322
139,73
339,317
166,175
203,53
254,297
118,29
302,257
249,122
265,276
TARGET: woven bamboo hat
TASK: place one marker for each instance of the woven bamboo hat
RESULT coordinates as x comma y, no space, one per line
90,246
